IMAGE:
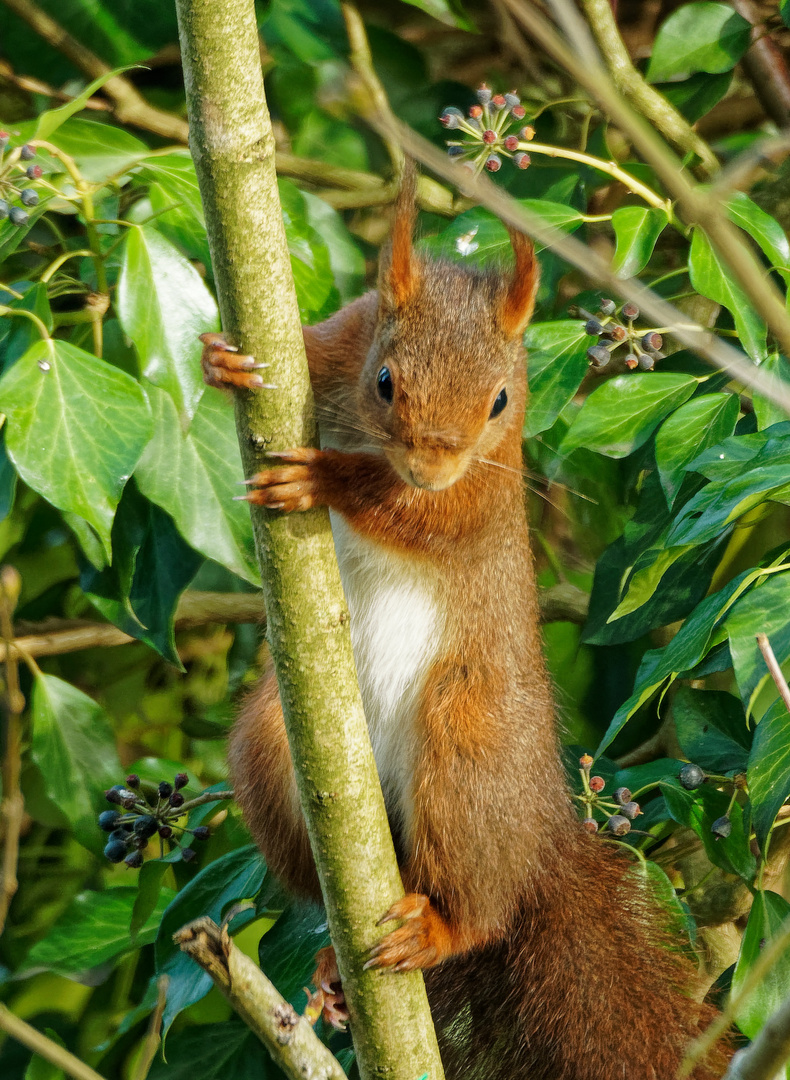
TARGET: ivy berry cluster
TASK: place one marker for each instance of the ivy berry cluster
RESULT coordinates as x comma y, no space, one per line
11,165
620,810
616,330
493,129
147,812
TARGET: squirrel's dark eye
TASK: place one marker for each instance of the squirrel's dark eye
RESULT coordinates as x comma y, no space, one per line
384,385
499,404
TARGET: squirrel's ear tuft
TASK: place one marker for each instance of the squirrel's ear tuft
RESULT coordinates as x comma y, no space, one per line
516,308
399,275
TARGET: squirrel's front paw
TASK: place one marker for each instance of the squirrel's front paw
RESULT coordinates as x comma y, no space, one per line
289,487
223,366
328,1000
421,942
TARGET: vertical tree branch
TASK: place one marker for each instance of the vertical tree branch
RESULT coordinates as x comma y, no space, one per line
233,147
13,804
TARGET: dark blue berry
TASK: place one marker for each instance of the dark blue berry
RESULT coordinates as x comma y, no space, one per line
455,151
108,820
18,216
201,832
187,854
123,834
646,363
630,311
29,197
27,153
721,828
114,794
598,355
115,851
180,780
133,780
165,790
145,826
176,799
593,326
134,860
691,777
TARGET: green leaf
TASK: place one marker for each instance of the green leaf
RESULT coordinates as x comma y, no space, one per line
223,1051
777,368
152,566
784,11
172,183
685,650
76,428
556,364
239,875
696,96
99,150
8,476
768,917
149,889
763,610
620,415
163,305
287,951
723,501
310,263
74,748
17,333
735,455
449,12
711,729
645,581
94,930
696,425
763,228
194,476
711,277
49,121
702,36
698,810
636,229
345,258
41,1069
768,773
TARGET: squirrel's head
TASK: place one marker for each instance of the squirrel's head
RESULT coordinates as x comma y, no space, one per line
444,379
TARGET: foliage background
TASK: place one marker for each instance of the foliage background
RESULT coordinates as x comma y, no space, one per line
662,495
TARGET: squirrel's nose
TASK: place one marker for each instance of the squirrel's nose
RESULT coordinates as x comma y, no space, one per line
434,470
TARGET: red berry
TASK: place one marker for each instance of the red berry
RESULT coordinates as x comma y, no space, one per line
493,163
498,101
585,761
133,780
597,783
180,780
631,361
476,112
522,160
630,311
519,112
176,799
489,137
165,832
617,333
34,172
511,143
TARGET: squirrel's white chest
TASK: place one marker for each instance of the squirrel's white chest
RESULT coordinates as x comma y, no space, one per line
396,631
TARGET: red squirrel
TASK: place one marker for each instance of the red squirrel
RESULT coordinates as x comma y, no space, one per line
544,956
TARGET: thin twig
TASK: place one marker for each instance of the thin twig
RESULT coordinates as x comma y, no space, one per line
13,805
288,1037
633,86
773,666
487,194
766,67
153,1036
362,63
695,205
46,1048
763,1059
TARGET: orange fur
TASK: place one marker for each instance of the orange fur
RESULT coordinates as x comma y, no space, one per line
545,957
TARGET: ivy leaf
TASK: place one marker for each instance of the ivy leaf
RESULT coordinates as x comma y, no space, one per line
768,773
194,476
702,36
698,810
696,96
636,229
449,12
712,730
49,122
8,476
152,565
75,430
768,917
556,364
777,368
696,425
723,501
764,610
712,278
163,305
74,748
218,1051
99,150
94,930
762,228
621,415
239,875
287,951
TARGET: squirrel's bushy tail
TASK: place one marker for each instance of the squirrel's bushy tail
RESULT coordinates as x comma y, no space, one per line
591,984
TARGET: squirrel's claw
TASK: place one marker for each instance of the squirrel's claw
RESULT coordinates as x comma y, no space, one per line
223,366
330,991
416,944
291,487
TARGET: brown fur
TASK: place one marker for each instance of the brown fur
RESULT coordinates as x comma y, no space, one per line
546,956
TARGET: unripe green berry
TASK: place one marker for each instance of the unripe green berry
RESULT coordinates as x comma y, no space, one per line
29,197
